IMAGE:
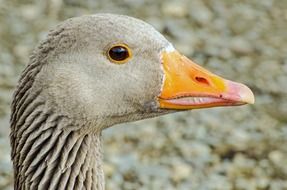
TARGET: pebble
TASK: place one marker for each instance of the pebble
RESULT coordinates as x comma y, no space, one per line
175,9
240,46
200,13
181,171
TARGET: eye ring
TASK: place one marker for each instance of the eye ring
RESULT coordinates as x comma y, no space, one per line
119,53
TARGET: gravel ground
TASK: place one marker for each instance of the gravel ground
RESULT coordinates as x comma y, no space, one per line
243,148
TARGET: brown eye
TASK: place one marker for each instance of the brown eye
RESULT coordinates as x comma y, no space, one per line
119,53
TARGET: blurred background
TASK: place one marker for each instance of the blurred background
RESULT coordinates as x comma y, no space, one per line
242,148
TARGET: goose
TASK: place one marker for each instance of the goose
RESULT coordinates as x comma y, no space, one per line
90,73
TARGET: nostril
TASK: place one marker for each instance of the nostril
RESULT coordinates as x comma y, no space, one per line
202,80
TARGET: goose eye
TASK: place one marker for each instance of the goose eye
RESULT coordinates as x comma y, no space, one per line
119,54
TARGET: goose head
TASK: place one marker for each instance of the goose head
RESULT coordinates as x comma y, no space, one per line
107,69
93,72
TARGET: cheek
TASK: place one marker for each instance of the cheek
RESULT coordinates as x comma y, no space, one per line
152,80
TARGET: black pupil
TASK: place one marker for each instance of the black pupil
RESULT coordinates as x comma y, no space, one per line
119,53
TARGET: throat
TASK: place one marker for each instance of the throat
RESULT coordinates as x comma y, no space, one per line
58,158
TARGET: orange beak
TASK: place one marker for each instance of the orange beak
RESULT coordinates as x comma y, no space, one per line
186,85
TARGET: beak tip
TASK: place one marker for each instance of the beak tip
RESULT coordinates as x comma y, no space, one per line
246,95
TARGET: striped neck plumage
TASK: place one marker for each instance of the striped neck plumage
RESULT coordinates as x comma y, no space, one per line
50,154
49,149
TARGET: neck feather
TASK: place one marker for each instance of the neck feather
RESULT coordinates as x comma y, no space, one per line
49,152
49,149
